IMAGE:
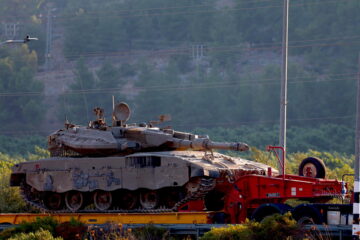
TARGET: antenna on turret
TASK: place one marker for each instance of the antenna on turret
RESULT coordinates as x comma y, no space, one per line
67,123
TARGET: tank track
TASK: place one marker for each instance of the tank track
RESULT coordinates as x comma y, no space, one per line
205,186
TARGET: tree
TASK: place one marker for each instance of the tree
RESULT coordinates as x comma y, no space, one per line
78,105
89,91
25,110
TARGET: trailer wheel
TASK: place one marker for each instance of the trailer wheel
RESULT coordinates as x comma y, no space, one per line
306,221
312,167
269,209
306,214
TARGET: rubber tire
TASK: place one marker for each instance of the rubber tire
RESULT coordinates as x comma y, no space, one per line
308,213
308,217
306,220
319,166
269,209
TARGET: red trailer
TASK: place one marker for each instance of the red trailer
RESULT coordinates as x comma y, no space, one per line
257,196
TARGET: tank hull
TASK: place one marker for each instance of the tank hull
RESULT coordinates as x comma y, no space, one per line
181,173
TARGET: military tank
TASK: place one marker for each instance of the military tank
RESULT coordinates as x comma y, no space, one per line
128,167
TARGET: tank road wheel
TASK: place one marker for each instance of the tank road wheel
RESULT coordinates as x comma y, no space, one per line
128,200
171,196
30,193
149,199
74,200
53,201
102,200
312,167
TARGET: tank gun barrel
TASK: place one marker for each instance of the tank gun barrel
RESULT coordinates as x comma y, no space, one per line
234,146
205,144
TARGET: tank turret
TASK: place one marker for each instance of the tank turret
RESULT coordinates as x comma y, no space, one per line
122,138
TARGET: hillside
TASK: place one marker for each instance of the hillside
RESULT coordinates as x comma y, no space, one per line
210,64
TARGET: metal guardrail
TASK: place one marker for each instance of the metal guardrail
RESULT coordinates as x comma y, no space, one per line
332,231
181,229
328,231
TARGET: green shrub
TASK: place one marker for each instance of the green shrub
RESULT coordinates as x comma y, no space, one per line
38,235
278,227
275,227
150,232
8,232
71,230
46,224
116,231
231,232
10,198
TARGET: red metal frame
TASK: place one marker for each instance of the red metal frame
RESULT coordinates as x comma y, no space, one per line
253,190
282,161
248,192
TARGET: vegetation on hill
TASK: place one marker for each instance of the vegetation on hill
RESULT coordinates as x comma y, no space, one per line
217,85
209,65
78,107
10,198
20,145
27,14
21,104
214,66
323,138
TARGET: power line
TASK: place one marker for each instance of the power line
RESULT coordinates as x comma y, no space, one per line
189,6
151,42
207,124
225,84
319,75
170,8
207,11
152,53
261,45
187,50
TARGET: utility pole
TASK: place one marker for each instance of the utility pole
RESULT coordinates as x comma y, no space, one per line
283,96
356,203
197,55
197,52
48,36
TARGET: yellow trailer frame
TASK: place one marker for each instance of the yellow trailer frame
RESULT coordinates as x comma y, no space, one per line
123,218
